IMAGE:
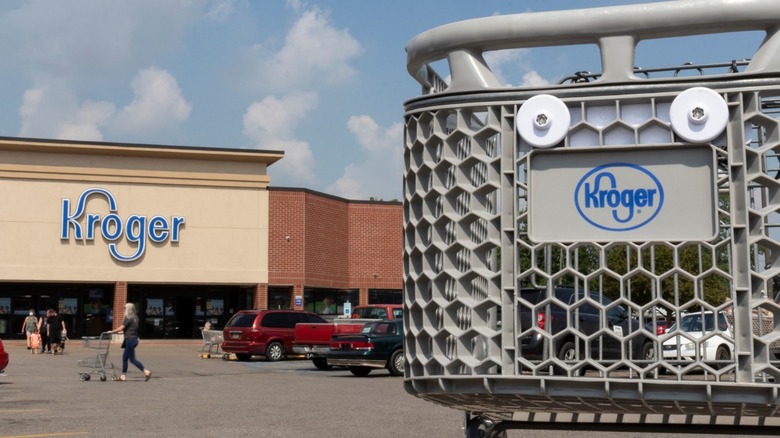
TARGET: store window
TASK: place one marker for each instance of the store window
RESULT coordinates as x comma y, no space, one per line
385,296
329,301
279,298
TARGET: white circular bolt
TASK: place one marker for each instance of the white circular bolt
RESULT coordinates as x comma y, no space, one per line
699,115
543,121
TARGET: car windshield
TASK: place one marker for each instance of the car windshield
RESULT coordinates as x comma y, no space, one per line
693,322
242,320
383,328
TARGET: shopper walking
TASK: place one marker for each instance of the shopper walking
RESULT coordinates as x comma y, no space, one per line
43,329
56,330
29,326
130,329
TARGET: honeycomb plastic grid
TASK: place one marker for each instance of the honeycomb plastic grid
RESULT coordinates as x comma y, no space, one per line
467,254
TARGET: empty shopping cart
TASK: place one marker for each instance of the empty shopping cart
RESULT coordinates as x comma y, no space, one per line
99,362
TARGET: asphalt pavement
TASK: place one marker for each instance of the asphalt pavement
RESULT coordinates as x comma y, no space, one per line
43,396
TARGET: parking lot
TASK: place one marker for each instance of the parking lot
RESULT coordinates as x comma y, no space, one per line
42,396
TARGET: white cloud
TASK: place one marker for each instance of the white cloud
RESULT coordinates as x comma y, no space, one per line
533,79
507,64
157,104
380,174
296,168
87,42
275,119
86,121
271,124
52,110
220,10
314,52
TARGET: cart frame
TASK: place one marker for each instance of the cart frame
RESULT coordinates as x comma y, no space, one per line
99,363
211,343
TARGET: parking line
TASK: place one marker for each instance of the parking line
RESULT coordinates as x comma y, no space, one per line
15,411
43,435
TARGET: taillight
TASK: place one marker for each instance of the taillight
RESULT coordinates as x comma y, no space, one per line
541,320
363,345
357,345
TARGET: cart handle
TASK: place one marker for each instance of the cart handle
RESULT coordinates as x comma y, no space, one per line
616,30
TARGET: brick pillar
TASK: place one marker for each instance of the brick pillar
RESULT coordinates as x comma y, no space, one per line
120,299
363,296
261,296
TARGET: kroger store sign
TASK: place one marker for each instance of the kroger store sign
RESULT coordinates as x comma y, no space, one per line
136,229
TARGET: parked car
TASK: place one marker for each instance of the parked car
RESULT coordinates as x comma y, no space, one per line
313,340
3,357
585,317
696,325
378,345
378,311
269,333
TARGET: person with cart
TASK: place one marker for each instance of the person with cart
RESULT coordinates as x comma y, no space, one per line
130,327
30,324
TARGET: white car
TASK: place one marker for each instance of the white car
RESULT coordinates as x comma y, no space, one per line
695,325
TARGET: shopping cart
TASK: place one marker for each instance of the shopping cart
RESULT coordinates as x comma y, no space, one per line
549,229
211,341
98,363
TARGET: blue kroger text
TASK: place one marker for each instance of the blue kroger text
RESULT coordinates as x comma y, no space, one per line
599,191
137,229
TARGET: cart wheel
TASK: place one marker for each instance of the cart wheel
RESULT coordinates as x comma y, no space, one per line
477,427
102,377
86,377
207,356
81,377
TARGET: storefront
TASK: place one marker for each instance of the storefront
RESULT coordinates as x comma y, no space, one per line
181,232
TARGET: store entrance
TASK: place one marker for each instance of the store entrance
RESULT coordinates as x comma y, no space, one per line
186,318
85,308
180,311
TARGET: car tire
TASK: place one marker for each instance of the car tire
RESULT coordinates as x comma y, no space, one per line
243,357
274,352
648,352
360,371
567,352
321,363
722,353
396,363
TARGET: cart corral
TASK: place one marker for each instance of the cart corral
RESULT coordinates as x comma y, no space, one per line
650,196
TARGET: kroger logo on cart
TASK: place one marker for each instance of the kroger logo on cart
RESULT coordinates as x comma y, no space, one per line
619,197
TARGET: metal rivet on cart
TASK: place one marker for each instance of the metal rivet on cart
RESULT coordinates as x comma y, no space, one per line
699,115
543,121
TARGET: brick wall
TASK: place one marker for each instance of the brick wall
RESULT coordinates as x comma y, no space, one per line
318,240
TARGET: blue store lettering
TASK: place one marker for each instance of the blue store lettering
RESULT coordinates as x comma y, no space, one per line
137,229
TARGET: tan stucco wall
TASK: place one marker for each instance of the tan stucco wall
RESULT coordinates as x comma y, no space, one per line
221,194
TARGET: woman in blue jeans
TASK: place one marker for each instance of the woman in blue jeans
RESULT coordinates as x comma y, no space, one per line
130,329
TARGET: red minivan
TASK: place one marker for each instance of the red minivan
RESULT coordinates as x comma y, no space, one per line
269,333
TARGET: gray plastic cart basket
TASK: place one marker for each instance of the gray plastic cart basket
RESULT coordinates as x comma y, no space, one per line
602,253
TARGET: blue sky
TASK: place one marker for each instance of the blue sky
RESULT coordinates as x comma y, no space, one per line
325,81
